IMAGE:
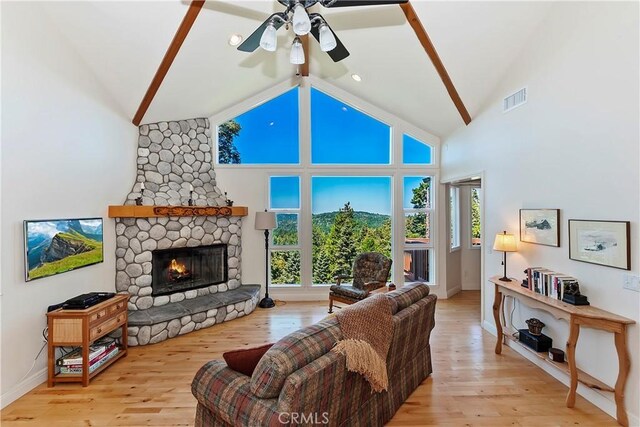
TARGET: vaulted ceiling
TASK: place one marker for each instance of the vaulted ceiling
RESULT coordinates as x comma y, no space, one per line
124,42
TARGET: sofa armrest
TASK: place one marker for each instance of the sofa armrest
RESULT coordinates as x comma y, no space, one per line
340,277
227,394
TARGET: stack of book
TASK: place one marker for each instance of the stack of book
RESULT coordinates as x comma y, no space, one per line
99,354
549,283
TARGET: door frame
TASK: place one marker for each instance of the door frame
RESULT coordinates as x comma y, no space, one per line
480,176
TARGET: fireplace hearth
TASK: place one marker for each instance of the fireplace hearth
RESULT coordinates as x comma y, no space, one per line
182,269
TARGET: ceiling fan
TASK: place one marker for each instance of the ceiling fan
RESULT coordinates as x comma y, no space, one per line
303,22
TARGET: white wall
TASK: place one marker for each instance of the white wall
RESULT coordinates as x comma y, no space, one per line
573,146
66,152
469,257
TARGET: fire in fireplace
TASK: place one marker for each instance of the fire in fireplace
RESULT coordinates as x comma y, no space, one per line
178,271
182,269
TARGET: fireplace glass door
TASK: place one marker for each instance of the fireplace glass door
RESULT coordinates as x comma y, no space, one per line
182,269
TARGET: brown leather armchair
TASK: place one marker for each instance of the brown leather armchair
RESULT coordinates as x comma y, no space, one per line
370,272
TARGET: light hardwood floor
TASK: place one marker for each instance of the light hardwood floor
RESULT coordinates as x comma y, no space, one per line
470,385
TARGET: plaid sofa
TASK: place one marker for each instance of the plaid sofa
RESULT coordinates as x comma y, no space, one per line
301,382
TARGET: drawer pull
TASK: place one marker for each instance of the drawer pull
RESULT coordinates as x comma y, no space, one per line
99,330
98,316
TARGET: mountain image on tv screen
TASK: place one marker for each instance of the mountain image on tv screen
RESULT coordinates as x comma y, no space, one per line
56,246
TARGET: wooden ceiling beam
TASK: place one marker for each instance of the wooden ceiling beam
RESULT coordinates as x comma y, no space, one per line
304,68
169,56
425,41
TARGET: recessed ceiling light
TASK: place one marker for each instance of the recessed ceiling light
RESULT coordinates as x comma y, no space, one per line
356,77
235,39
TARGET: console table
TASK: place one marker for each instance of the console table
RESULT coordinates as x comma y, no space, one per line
80,328
577,316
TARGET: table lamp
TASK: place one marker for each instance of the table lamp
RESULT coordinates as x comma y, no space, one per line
266,221
505,243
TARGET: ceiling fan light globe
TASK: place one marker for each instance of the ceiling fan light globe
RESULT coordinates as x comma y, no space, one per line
297,53
327,39
301,21
269,40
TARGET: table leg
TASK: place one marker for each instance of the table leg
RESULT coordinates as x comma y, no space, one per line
51,363
497,303
623,371
574,332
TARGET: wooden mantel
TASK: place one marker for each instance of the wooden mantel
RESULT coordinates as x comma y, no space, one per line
135,211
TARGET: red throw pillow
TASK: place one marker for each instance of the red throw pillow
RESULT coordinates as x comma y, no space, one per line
245,360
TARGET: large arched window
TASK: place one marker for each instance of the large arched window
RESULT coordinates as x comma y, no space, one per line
343,177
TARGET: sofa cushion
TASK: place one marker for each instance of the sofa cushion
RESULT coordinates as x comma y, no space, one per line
245,360
290,354
349,291
408,295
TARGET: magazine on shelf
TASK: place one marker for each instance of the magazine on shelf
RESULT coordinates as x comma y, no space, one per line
75,356
78,370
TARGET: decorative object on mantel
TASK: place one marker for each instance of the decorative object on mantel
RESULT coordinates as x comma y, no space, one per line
190,201
600,242
228,201
540,226
535,326
131,211
139,199
266,221
505,243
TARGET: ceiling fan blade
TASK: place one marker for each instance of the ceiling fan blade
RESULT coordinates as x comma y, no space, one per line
346,3
339,52
253,41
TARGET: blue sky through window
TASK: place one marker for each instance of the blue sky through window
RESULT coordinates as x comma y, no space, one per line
285,192
368,194
269,132
410,182
340,134
414,151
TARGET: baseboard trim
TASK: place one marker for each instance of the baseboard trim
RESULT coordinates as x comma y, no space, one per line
595,397
452,292
23,388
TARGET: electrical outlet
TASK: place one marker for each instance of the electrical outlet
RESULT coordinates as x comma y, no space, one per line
631,282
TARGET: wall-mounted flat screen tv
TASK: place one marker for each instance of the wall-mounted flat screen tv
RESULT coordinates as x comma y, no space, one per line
59,245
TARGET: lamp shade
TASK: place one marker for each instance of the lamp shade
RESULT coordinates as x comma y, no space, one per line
269,40
327,39
301,21
297,52
265,220
505,242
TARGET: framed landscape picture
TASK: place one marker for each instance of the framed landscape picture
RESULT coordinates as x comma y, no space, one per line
600,242
60,245
540,226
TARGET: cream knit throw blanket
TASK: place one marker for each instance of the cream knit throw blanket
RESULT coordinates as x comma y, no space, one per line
367,328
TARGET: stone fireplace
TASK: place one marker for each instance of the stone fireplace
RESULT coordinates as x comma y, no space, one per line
203,285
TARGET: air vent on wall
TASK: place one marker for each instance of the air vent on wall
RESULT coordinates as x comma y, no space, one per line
514,100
